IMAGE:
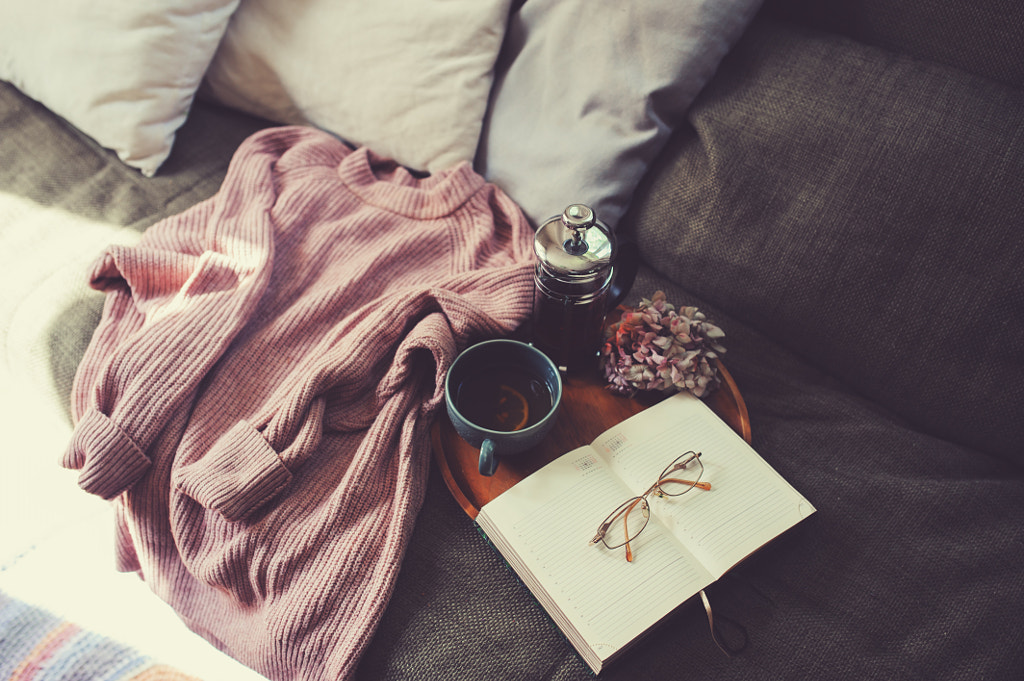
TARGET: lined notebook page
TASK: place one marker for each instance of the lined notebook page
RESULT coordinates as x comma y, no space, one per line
749,503
549,519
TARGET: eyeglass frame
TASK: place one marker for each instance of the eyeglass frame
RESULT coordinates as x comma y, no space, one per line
673,466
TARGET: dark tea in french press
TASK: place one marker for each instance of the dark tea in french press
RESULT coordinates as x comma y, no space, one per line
576,282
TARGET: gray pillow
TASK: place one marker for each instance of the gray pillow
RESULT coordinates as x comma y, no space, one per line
864,209
586,93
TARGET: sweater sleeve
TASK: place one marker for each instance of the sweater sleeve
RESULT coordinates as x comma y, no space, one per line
175,302
248,466
253,461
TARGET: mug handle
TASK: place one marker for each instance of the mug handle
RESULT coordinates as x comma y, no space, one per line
627,262
488,460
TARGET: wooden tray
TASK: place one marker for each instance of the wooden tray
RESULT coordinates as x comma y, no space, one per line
587,410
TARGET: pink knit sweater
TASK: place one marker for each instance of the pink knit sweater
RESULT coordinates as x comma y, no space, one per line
257,397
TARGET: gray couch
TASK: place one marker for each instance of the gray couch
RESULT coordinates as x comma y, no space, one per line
845,199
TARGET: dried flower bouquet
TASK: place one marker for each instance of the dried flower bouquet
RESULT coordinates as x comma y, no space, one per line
654,347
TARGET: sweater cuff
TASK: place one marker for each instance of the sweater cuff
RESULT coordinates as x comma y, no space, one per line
240,473
110,462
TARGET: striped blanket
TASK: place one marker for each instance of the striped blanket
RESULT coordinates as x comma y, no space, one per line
36,645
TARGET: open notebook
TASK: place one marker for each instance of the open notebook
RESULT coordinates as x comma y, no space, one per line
544,525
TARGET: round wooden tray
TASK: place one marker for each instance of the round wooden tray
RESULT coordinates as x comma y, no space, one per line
587,410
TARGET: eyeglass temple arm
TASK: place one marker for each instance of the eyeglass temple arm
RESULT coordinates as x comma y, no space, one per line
706,486
625,527
603,528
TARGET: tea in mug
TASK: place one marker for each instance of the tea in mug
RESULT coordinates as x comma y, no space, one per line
503,398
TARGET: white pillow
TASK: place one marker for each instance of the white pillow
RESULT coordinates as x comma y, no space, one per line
123,72
588,91
408,79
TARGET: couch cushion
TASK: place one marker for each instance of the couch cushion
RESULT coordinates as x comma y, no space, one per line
407,79
124,73
864,210
985,37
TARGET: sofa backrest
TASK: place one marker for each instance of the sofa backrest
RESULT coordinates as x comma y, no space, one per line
984,37
864,210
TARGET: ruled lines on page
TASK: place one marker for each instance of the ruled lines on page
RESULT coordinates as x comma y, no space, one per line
749,503
609,600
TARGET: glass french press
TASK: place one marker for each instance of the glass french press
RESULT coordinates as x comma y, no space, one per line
583,271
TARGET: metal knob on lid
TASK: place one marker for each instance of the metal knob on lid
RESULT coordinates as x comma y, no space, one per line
575,243
578,219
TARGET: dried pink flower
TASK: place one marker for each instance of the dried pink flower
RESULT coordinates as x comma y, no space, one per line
653,347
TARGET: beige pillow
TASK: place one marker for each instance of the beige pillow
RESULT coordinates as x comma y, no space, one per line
124,72
407,79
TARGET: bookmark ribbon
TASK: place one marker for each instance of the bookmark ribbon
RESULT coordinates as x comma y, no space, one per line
716,634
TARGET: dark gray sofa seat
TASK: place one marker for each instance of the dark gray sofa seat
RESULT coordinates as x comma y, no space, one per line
851,217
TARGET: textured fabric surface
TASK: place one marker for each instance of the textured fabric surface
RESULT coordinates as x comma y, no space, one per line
36,645
862,209
985,37
57,166
910,568
258,391
123,73
62,200
408,80
586,93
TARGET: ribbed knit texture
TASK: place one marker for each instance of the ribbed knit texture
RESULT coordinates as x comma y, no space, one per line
258,394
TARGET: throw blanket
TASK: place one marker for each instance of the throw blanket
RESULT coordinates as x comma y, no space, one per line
36,645
257,396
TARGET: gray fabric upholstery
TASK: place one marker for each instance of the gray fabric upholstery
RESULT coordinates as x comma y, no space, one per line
909,569
816,209
839,304
861,209
55,165
983,37
850,219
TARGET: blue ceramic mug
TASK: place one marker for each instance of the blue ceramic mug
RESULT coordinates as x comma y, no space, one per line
502,396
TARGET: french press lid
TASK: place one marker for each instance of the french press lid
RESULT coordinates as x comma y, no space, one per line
575,243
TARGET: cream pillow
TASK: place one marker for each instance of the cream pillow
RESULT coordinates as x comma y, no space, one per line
123,72
409,80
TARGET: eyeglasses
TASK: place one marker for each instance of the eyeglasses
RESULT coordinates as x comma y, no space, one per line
623,525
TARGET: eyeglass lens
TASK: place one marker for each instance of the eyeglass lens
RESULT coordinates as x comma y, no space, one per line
681,475
626,522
